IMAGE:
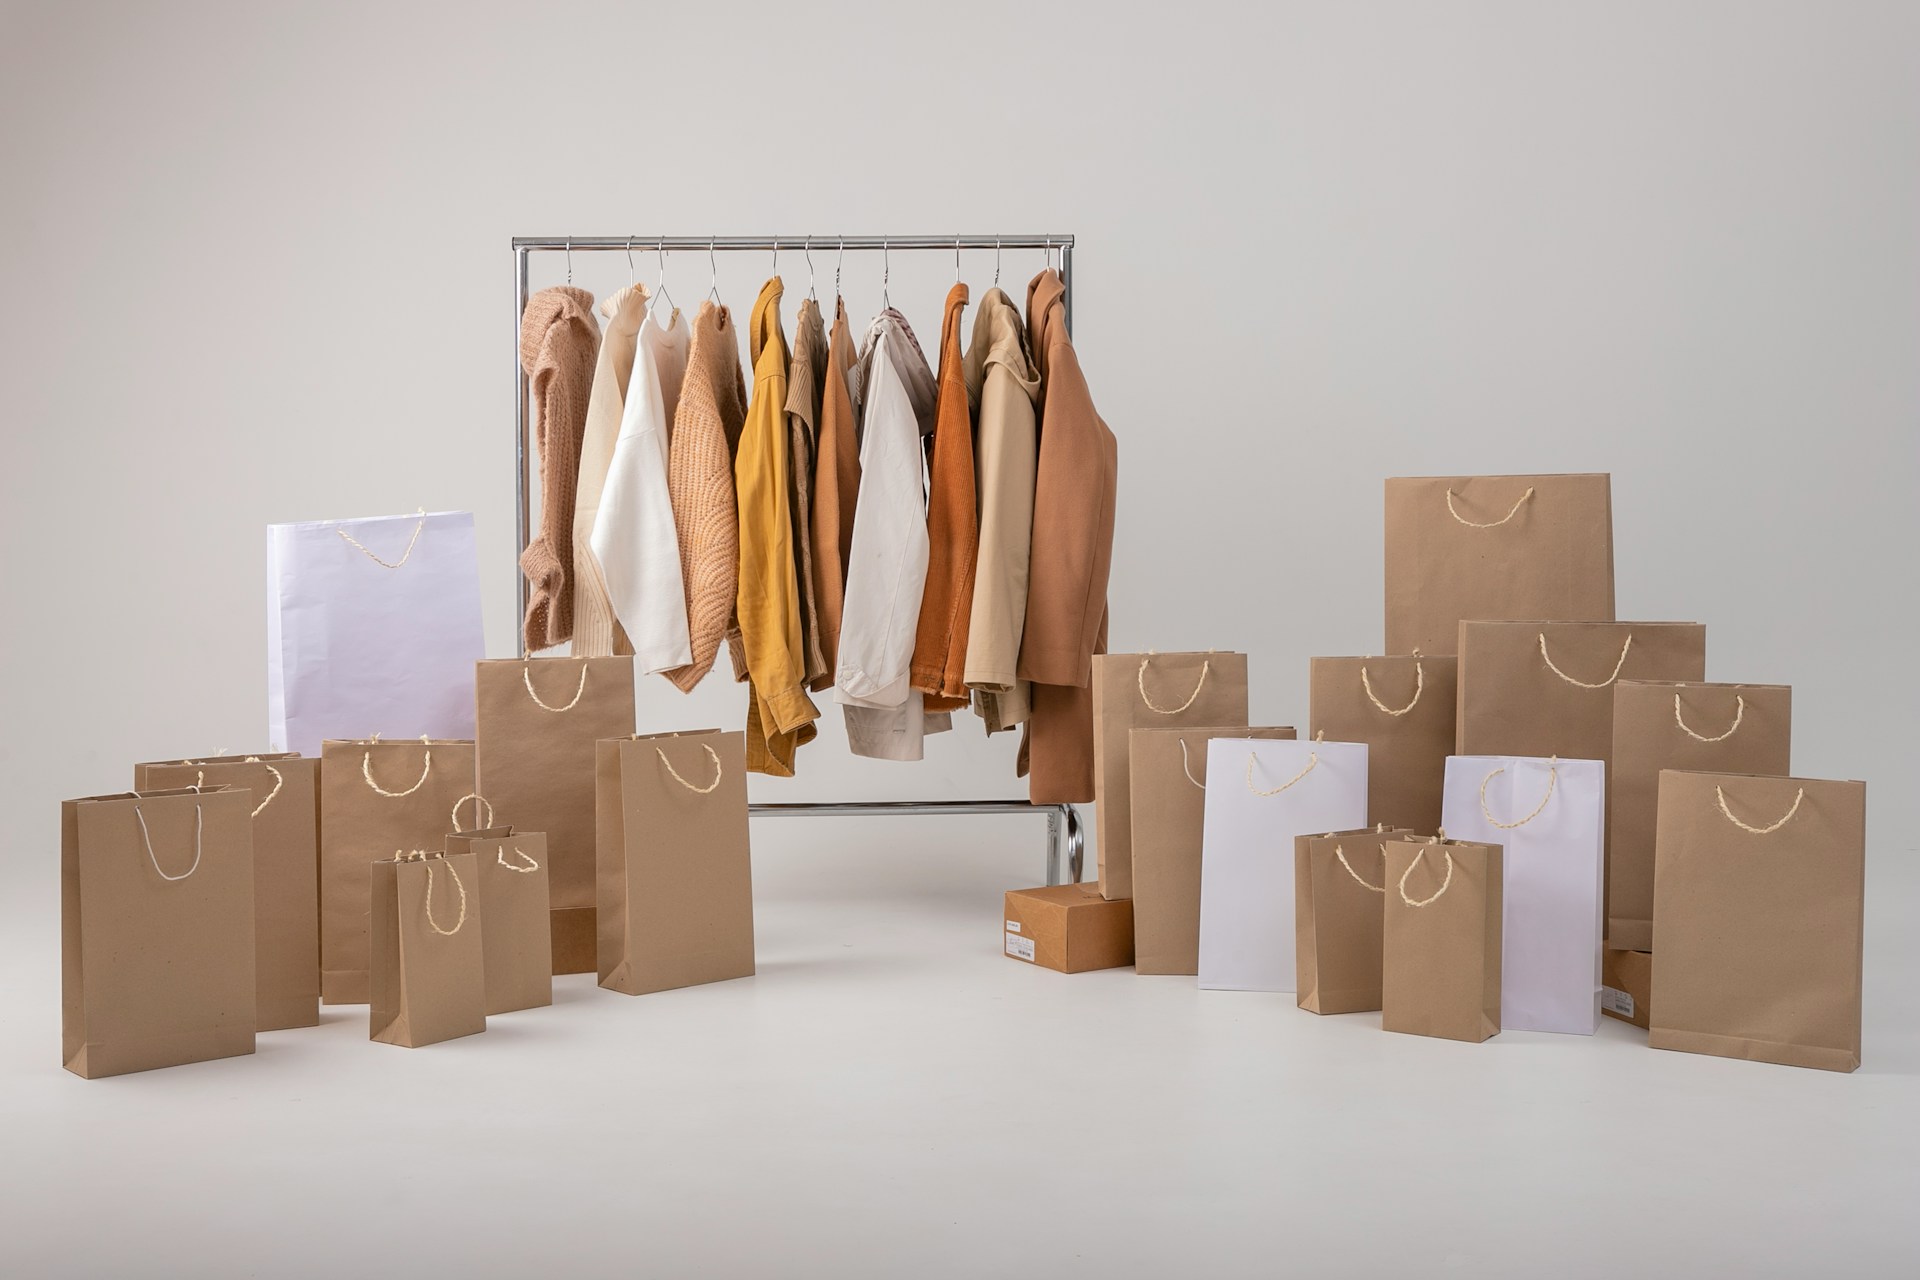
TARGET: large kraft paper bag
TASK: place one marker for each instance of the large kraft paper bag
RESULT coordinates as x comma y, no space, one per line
1157,691
1696,728
428,974
1549,819
539,720
1169,792
1546,688
285,790
1462,547
676,879
1403,709
510,868
1758,895
1337,887
156,930
1440,939
376,799
373,626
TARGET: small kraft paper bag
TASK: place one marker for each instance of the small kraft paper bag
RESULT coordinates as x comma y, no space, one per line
285,790
676,879
539,720
1169,790
373,626
1549,819
1261,793
1403,709
156,930
510,871
1156,691
1337,883
1461,547
428,978
1440,940
1546,688
376,797
1758,893
1697,728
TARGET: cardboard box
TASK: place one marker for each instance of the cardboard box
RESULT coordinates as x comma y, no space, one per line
1069,927
1626,985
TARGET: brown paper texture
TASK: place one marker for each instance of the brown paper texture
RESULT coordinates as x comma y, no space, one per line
1757,932
156,946
285,789
1440,963
1403,709
1469,547
1170,691
428,981
1338,906
538,720
516,940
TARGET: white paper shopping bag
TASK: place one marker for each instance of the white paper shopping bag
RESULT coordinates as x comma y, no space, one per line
1261,793
373,627
1549,817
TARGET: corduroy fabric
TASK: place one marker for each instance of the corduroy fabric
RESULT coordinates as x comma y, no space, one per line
806,379
953,530
559,340
712,410
596,631
836,488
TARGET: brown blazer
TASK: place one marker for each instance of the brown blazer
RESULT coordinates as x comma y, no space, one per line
836,487
953,530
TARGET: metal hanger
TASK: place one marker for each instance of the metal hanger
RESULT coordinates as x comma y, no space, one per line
629,262
996,262
776,256
569,260
660,286
886,274
956,259
807,249
841,258
713,274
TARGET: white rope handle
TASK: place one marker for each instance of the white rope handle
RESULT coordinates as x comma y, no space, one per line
718,772
1419,687
526,677
199,826
479,803
500,856
1187,768
1721,794
1341,853
1491,524
359,546
366,771
461,922
1553,776
278,782
1252,756
1739,714
1547,658
1140,679
1444,883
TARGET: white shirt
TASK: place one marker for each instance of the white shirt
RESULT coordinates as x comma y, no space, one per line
633,534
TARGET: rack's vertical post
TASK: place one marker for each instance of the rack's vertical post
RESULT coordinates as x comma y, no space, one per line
1066,282
522,447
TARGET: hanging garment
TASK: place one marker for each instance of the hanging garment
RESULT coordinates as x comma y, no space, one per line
769,595
1074,489
633,536
887,569
953,530
836,485
596,633
559,339
1003,383
806,378
713,406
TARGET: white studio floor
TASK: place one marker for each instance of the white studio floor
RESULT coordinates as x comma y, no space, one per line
890,1097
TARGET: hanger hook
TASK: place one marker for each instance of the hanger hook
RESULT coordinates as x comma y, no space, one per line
956,259
629,262
660,286
569,260
713,273
839,259
807,249
996,262
886,273
776,255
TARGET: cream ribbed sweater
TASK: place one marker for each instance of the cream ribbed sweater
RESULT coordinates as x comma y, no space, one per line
596,632
706,427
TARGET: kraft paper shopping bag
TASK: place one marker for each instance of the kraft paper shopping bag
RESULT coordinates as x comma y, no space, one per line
1699,728
376,797
156,929
1463,547
1440,939
676,881
1168,786
1338,880
1260,795
1403,709
373,626
1758,897
1549,817
286,872
539,720
510,873
428,967
1152,690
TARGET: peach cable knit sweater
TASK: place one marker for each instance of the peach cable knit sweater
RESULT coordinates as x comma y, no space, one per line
706,429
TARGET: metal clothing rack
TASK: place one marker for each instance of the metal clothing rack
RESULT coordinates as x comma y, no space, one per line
1063,820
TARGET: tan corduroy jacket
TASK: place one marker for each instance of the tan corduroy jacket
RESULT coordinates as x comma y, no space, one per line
836,488
1074,490
596,632
953,530
713,406
806,379
559,339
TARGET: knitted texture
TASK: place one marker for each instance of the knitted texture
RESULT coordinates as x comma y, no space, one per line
836,487
559,340
953,530
706,427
